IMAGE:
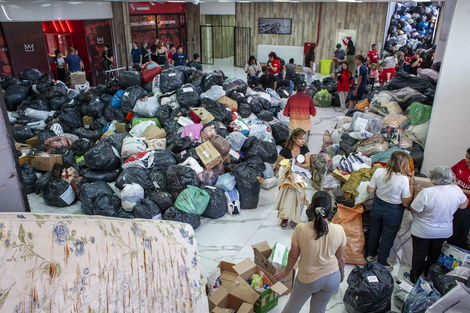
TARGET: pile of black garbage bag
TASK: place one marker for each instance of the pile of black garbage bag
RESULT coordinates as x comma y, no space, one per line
93,169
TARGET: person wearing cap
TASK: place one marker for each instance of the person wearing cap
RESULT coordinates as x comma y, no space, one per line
299,107
339,57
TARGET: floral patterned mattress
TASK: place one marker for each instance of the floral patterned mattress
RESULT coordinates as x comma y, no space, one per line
75,263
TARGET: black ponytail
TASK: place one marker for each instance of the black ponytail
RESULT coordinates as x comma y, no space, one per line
317,212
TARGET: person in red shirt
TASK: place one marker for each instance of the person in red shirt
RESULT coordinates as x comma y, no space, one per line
372,55
299,107
345,81
461,222
171,51
274,65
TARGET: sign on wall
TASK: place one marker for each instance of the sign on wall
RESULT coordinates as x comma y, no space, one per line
344,35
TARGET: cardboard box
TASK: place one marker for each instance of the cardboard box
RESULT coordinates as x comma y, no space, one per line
45,162
227,274
452,256
78,78
33,142
120,128
268,297
317,178
23,148
87,120
262,251
153,132
209,155
24,159
238,296
229,103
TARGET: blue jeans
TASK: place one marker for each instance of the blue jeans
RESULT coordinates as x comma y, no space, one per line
385,221
252,80
291,87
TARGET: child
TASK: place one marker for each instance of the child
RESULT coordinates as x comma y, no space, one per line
374,73
267,80
179,58
195,63
388,68
252,70
345,81
171,51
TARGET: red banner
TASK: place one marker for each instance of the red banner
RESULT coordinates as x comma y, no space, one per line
156,8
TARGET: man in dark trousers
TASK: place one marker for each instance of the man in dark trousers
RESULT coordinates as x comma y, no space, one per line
299,107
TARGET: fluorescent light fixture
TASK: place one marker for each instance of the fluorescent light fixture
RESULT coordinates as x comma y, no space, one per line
7,14
175,1
225,1
45,5
281,0
421,0
245,1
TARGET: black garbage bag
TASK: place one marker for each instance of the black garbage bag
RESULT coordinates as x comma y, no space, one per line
14,95
248,186
148,86
187,71
255,104
24,120
106,204
162,199
30,74
264,150
417,153
218,110
93,135
181,157
42,84
146,208
435,271
347,143
236,85
244,110
446,283
171,79
187,96
173,214
106,97
330,85
40,104
113,114
130,78
71,117
365,296
402,79
58,193
264,103
57,102
335,102
163,114
197,77
45,134
8,81
180,144
95,108
178,112
68,158
158,178
136,175
282,92
238,97
102,158
41,182
212,79
163,159
429,94
218,203
29,177
298,77
89,192
22,133
116,140
72,103
265,115
121,213
99,123
57,90
95,175
178,177
280,133
130,97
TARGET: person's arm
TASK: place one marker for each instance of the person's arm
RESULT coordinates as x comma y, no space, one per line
111,59
286,109
313,110
66,67
345,58
341,256
275,84
412,187
311,67
306,164
294,254
279,159
140,59
359,80
415,63
82,67
463,205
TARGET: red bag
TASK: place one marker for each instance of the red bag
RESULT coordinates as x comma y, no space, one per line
150,70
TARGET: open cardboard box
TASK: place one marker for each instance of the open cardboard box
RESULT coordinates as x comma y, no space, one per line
227,274
238,296
45,162
153,132
269,297
262,252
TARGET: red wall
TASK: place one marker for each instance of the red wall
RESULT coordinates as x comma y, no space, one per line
156,8
79,43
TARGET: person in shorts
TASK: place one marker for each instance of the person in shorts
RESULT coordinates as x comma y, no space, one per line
361,83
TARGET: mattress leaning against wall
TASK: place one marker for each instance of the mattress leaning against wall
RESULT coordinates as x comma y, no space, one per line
58,263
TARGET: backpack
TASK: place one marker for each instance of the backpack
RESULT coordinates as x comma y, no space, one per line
281,60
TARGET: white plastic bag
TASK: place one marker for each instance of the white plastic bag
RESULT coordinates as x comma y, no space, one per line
269,183
279,256
192,163
138,129
38,114
132,145
130,194
233,202
236,140
215,93
156,144
147,106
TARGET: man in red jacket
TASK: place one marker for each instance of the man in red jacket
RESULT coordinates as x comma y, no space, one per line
299,108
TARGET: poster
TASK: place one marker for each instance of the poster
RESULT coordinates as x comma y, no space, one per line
139,22
344,35
168,20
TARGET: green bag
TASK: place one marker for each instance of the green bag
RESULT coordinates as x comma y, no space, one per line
419,113
322,99
137,121
279,256
192,200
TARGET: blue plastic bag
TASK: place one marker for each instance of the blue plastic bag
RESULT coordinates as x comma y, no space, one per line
116,99
421,297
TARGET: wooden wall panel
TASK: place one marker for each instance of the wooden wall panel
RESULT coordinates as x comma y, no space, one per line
193,36
368,19
122,33
222,36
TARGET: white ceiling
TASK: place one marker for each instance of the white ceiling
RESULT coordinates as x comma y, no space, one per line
19,2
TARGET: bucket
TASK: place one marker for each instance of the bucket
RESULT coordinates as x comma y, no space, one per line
325,67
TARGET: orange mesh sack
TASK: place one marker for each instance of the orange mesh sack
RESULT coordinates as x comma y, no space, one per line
351,220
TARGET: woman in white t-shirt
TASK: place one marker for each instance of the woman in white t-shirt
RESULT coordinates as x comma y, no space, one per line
392,189
433,210
388,65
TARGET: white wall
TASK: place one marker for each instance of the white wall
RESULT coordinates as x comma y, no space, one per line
217,8
444,28
25,11
448,135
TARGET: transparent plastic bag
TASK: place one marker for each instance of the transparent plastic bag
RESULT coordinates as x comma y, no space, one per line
365,122
420,113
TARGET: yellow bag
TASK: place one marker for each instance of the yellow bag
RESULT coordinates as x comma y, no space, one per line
362,105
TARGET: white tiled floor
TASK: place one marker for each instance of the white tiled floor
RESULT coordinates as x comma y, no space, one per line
230,237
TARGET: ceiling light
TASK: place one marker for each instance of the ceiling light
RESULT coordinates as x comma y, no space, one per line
244,1
421,0
72,2
45,5
225,1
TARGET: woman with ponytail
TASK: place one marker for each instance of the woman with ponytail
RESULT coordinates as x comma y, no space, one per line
321,247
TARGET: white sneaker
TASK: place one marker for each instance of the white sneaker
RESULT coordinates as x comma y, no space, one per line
371,258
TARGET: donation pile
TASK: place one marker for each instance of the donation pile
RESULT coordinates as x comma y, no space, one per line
171,142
